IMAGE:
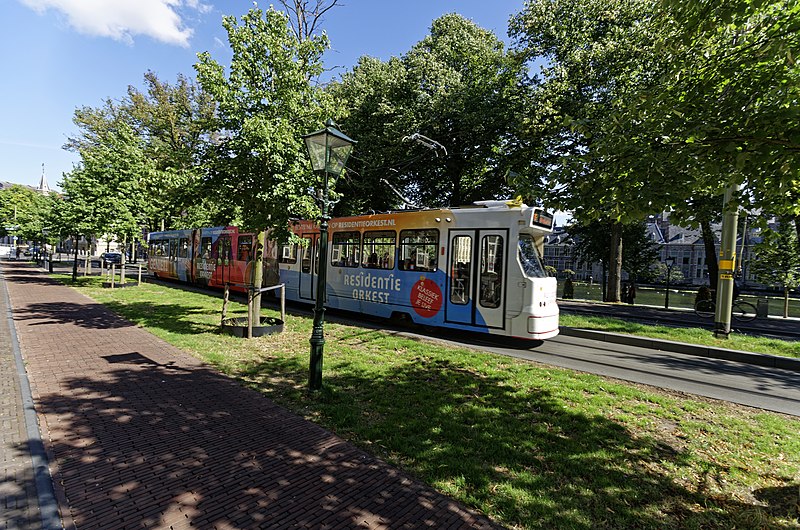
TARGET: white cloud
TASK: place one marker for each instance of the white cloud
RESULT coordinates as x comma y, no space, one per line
123,19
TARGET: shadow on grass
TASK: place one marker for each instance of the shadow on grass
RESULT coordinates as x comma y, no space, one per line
518,453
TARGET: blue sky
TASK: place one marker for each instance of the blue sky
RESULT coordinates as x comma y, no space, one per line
58,55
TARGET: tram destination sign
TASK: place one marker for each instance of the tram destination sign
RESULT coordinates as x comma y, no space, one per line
543,219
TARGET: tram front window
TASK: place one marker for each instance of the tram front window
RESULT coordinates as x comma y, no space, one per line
529,258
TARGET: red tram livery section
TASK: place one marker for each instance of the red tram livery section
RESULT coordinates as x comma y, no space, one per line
474,268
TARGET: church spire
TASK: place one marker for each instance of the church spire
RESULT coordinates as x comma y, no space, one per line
43,187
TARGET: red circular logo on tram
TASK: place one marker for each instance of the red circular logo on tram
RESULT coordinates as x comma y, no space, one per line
426,298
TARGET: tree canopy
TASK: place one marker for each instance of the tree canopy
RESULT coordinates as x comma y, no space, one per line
266,101
439,122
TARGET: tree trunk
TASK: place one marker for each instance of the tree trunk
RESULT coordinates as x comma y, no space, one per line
258,275
122,261
604,281
711,253
797,229
75,262
615,263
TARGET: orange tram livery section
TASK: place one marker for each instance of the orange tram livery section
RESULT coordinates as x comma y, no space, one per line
474,268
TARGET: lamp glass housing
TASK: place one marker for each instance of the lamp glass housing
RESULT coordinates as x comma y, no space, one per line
329,149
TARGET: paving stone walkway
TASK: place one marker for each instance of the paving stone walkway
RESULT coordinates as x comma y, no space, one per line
142,435
19,508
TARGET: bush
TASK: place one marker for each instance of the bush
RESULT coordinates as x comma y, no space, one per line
569,289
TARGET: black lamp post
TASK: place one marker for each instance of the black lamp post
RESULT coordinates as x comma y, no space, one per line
328,150
670,262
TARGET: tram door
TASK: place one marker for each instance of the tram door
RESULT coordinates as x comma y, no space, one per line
309,266
476,271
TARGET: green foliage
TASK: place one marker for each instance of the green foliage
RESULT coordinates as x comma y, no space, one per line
729,97
639,252
661,270
265,102
25,209
457,86
777,261
104,192
597,55
174,120
164,128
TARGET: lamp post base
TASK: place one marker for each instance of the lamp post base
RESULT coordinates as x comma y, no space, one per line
317,342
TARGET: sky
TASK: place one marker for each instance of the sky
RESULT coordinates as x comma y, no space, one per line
59,55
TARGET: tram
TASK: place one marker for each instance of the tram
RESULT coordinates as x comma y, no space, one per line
475,268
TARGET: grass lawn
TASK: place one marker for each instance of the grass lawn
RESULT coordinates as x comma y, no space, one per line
530,446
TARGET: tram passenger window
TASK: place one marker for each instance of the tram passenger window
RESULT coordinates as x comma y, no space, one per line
205,248
491,287
461,252
245,248
288,254
305,264
222,250
173,249
344,251
183,248
378,249
419,250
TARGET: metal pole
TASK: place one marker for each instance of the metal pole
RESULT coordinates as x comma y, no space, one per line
727,265
283,303
250,311
318,334
666,294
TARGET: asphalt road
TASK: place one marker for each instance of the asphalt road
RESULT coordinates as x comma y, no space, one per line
765,388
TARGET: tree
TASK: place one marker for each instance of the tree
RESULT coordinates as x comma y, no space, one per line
639,252
438,122
26,210
702,209
777,261
265,103
174,122
73,213
597,55
104,190
306,15
591,242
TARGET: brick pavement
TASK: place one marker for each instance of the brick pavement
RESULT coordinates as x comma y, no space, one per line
19,508
142,435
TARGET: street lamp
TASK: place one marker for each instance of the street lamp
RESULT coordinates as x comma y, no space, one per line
328,150
670,260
